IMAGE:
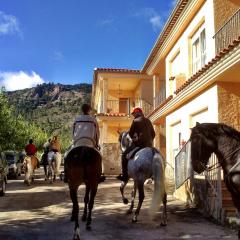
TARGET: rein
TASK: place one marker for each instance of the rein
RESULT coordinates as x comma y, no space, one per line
237,163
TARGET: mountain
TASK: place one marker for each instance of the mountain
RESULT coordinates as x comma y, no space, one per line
52,107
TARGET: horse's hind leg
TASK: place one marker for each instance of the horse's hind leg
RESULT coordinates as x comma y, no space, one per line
140,201
90,207
132,200
86,200
75,211
122,187
164,213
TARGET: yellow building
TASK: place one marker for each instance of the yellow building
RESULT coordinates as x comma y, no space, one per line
115,93
193,70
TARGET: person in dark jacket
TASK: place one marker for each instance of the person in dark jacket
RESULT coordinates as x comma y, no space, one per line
142,135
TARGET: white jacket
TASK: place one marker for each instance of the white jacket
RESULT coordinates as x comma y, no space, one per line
85,131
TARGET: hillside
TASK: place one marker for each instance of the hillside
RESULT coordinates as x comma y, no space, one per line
52,107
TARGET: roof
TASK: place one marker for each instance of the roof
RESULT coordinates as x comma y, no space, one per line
116,70
166,30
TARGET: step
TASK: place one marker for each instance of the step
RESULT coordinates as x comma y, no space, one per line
230,212
227,202
233,221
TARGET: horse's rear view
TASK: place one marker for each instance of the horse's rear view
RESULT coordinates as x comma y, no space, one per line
30,163
83,165
146,163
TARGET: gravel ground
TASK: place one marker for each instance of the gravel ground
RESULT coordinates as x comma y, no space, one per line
42,212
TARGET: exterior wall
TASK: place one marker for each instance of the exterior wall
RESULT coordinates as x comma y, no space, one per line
147,90
111,158
205,15
199,109
229,104
223,10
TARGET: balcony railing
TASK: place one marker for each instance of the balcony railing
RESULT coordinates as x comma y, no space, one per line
229,31
126,106
145,105
161,96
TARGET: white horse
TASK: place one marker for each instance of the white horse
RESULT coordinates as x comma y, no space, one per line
30,163
54,162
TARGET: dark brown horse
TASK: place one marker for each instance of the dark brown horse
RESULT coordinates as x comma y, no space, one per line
83,165
224,141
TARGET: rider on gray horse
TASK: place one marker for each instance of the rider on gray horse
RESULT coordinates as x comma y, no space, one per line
142,135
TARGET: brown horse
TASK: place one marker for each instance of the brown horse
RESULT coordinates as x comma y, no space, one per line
30,163
83,165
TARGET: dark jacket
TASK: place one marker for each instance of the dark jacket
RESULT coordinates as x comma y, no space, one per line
142,132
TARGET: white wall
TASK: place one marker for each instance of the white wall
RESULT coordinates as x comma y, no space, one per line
203,108
182,44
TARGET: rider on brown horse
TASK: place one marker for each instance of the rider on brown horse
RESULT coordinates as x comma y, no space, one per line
85,133
31,150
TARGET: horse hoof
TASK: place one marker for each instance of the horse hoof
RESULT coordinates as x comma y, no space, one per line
129,212
134,220
125,201
84,218
88,227
163,224
72,219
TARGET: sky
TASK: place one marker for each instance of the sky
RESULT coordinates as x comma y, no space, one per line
62,41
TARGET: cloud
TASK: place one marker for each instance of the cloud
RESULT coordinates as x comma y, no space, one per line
9,24
58,56
106,22
152,17
19,80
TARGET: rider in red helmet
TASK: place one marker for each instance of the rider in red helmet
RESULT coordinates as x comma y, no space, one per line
142,135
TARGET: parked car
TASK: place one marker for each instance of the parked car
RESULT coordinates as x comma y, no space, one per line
3,174
14,166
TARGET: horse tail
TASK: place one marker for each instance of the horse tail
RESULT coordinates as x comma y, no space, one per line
159,181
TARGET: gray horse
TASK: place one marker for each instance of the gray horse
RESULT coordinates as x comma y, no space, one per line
146,163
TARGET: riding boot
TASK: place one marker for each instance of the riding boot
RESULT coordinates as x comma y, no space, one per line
124,176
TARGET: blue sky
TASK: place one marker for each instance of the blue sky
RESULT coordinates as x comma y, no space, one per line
62,41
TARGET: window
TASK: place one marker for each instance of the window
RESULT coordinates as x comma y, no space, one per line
198,51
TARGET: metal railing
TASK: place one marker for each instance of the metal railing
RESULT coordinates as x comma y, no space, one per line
161,96
228,32
213,196
126,106
145,105
119,106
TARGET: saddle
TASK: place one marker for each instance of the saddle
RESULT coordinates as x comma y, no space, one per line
132,153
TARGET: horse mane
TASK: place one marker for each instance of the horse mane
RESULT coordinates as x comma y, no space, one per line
219,129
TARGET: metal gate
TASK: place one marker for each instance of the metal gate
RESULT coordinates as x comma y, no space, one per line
183,167
212,196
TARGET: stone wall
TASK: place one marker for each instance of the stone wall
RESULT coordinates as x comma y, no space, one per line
229,104
111,158
223,10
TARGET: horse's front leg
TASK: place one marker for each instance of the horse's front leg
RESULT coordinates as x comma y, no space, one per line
93,193
75,212
141,197
133,198
86,200
164,213
122,187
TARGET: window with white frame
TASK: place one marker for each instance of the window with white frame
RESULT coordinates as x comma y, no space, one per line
175,69
198,50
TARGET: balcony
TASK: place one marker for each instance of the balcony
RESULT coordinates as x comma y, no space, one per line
125,106
161,96
229,32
